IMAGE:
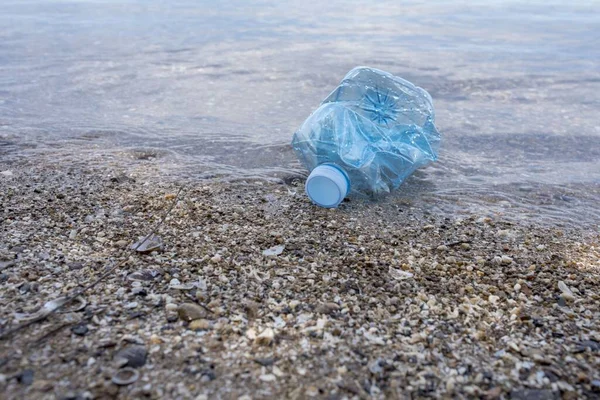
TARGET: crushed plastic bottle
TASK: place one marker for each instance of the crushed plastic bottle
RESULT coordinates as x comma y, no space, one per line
366,137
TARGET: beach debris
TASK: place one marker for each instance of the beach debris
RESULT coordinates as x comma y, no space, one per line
273,251
145,275
144,246
265,338
79,304
399,274
566,291
125,376
190,311
177,285
132,356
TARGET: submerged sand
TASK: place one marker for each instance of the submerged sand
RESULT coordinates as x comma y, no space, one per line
367,301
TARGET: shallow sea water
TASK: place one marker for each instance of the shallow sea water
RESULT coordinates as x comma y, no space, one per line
205,90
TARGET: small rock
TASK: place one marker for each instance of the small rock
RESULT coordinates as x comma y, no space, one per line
131,305
7,173
493,393
582,377
139,291
155,339
199,325
327,308
375,367
595,385
190,311
134,356
42,386
506,260
265,338
208,376
265,362
493,299
74,266
80,329
268,378
122,243
26,377
251,308
172,318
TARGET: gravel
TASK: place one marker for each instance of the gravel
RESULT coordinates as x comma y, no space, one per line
371,300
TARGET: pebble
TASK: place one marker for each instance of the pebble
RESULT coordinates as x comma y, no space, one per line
506,260
493,299
132,356
172,307
327,308
26,377
199,325
80,329
265,338
155,339
139,291
268,378
190,311
42,386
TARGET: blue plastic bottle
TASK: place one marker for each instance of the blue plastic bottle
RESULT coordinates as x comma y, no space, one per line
366,137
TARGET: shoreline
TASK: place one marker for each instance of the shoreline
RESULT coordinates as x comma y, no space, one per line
366,301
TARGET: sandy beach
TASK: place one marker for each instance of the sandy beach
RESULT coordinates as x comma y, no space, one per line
254,293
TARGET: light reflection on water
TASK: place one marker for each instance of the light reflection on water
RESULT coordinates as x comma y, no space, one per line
217,90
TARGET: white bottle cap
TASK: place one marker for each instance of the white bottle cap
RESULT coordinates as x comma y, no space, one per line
327,185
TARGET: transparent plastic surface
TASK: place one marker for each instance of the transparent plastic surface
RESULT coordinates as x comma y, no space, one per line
375,126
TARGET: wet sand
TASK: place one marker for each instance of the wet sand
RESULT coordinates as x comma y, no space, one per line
371,300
